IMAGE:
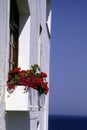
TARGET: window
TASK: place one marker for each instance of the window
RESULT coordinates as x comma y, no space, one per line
14,32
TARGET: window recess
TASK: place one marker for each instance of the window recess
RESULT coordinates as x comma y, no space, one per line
14,33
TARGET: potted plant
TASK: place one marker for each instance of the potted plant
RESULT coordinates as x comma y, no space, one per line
33,78
25,80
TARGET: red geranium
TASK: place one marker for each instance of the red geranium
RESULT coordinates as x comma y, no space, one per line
16,70
29,78
44,75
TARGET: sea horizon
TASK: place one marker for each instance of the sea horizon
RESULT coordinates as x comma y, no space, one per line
67,122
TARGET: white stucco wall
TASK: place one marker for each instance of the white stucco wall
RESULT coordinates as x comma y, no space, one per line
4,20
35,119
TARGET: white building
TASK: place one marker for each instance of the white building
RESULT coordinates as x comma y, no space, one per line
24,40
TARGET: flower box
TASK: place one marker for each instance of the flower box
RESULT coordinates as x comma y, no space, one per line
20,100
24,101
26,89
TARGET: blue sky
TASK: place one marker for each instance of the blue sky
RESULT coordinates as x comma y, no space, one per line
68,81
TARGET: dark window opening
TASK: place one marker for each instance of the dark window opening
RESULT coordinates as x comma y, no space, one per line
14,32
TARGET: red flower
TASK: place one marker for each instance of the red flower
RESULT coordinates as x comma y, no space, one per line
22,78
43,75
9,77
46,90
22,72
33,78
16,70
28,80
10,86
44,85
38,81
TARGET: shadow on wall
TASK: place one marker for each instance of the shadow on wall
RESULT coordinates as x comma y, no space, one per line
48,8
16,120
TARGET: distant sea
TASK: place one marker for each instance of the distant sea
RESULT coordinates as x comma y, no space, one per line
67,122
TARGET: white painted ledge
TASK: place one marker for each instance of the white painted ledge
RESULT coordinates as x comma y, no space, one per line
19,100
